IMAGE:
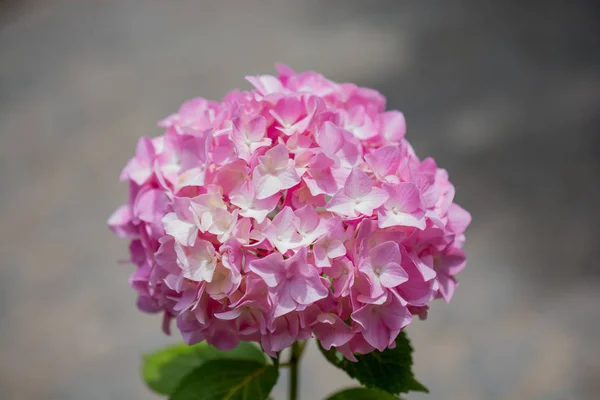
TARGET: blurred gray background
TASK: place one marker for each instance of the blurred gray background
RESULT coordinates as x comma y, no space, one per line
505,95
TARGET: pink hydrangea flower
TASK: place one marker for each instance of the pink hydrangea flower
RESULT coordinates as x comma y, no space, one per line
358,197
292,210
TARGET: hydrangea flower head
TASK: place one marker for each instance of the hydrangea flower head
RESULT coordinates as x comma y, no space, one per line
292,210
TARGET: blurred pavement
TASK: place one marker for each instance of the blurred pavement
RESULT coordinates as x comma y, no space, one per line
505,96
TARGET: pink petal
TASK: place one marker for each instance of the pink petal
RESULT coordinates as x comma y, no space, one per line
392,275
150,204
307,218
447,286
145,150
183,232
267,185
136,171
320,162
371,280
288,110
374,199
458,218
321,258
404,196
307,289
416,291
375,332
270,268
251,207
329,138
243,196
256,129
393,126
388,218
359,123
358,184
278,155
332,331
198,262
231,176
396,317
384,161
284,303
345,278
453,261
336,249
425,266
265,84
284,71
283,240
285,222
229,315
120,222
288,177
342,204
351,152
385,253
258,215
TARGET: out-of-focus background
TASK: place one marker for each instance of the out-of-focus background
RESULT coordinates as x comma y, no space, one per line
506,96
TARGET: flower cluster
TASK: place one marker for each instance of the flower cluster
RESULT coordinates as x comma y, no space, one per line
293,210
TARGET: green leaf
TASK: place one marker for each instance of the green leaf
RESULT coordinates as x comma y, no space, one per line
390,370
228,380
362,394
164,369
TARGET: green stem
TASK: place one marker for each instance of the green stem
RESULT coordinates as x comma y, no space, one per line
297,349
